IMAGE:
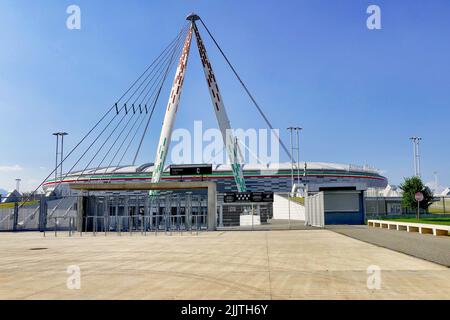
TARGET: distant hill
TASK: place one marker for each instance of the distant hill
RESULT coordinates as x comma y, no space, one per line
3,192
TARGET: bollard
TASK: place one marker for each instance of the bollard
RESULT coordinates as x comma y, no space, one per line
196,224
130,226
145,226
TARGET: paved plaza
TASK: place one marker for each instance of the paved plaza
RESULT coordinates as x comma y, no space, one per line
423,246
299,264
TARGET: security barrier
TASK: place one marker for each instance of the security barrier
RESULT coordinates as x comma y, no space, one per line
435,229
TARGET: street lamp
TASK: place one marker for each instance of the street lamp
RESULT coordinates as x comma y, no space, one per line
18,184
297,148
298,129
59,134
56,156
419,173
416,141
436,183
62,134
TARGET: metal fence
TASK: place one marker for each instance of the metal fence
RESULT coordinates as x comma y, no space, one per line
136,212
6,219
315,210
440,205
37,214
381,206
244,216
124,225
106,213
143,224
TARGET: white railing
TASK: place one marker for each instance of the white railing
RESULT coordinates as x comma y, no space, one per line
434,229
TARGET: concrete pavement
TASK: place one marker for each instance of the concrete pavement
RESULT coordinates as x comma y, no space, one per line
423,246
300,264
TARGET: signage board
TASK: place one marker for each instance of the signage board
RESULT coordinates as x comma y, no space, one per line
419,196
256,197
191,170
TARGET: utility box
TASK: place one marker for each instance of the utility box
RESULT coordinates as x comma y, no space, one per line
331,207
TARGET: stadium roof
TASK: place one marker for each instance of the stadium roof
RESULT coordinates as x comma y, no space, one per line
148,167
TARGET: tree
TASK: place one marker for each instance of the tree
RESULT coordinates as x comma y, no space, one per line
409,187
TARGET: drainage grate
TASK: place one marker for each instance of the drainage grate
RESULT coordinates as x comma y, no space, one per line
36,249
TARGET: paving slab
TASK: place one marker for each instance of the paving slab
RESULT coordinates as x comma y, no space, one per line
424,246
299,264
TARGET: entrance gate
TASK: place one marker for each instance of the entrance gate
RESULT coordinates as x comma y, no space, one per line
134,209
138,212
247,215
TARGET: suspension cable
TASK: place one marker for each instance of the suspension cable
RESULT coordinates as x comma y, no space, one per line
246,90
151,114
131,129
128,134
114,106
175,45
161,65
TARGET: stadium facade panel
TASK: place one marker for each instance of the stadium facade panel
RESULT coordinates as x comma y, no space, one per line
274,177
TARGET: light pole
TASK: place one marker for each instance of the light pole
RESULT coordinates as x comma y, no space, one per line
298,129
62,134
297,148
291,129
59,134
56,155
18,184
416,141
436,183
419,173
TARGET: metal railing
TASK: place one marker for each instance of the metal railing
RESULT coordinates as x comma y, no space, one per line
382,206
37,214
129,225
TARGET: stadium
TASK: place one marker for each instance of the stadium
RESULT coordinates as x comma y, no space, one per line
276,177
235,176
101,191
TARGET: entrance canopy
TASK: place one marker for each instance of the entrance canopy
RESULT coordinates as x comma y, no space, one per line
190,185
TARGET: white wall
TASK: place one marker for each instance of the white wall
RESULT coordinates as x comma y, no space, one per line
281,209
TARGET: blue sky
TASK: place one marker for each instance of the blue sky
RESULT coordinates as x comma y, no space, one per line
358,93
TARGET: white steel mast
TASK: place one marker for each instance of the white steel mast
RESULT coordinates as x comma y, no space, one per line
171,111
232,148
